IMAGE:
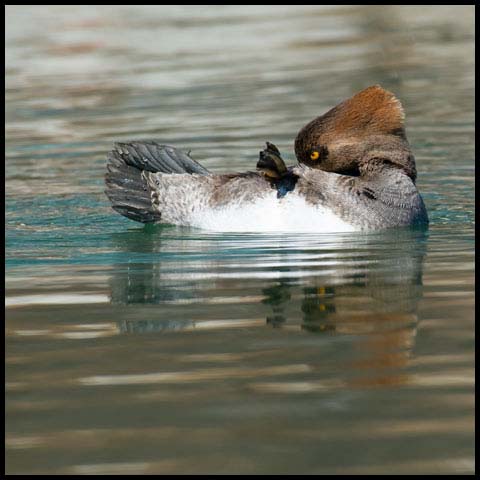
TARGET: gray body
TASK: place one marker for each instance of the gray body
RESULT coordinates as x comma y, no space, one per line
153,183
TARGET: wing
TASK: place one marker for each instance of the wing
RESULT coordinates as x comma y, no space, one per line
387,199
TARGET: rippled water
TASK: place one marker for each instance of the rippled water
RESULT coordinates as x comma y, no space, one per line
174,350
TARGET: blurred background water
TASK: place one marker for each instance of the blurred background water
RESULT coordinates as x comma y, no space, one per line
175,350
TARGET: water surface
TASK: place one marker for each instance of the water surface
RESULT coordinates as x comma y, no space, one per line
176,350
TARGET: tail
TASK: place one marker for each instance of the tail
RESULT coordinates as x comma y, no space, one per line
127,188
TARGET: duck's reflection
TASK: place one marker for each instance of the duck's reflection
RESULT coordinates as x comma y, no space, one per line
368,285
376,302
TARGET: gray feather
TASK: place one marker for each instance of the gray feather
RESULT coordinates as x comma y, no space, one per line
387,199
127,187
154,157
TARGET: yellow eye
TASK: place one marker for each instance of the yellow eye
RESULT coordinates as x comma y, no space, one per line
314,155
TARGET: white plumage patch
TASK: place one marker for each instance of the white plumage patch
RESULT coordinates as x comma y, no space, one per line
270,214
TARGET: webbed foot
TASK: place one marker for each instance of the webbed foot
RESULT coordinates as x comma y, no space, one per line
270,163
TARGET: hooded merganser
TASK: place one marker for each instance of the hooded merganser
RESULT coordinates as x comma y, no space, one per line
356,172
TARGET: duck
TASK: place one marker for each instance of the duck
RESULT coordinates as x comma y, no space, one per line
355,171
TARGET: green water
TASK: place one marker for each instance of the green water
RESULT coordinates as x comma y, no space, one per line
175,350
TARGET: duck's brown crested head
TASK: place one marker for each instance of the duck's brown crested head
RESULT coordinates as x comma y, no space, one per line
367,126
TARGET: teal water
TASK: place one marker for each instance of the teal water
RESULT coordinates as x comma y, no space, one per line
176,350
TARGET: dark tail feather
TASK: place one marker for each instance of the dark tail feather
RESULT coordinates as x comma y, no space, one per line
127,189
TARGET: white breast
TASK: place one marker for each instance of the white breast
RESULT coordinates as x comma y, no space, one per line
270,214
